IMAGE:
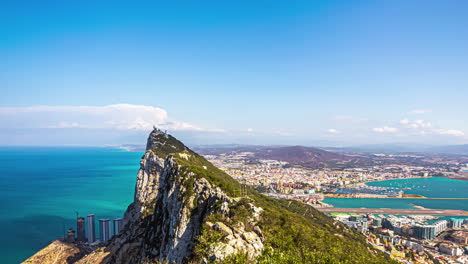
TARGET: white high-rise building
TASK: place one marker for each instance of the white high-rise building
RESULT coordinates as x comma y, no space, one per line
104,230
117,226
440,226
91,228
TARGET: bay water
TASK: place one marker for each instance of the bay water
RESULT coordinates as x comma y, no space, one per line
436,187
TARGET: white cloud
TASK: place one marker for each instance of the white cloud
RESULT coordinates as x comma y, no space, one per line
416,124
424,127
420,111
421,124
250,130
451,132
385,129
117,116
404,121
332,131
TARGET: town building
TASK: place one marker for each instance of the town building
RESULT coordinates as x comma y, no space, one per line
405,229
424,231
456,223
440,226
377,222
80,227
386,223
91,228
460,237
117,225
70,236
450,249
104,230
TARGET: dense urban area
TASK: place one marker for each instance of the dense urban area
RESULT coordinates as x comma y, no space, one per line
406,238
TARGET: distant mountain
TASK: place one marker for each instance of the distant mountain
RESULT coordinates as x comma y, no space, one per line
402,148
296,155
308,156
383,148
453,149
369,148
221,149
220,146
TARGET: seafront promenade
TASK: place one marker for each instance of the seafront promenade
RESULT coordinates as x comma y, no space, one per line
395,211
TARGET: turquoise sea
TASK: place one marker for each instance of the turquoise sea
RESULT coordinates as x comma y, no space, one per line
41,188
436,187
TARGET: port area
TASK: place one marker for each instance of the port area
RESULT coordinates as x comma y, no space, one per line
395,211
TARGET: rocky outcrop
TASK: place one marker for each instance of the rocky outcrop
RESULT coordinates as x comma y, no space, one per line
169,211
170,206
58,252
236,240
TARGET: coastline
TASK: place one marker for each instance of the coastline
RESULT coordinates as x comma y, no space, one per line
460,177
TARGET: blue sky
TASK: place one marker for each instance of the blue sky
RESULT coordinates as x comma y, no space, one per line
256,72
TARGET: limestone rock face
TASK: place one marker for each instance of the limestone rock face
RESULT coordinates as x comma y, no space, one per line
146,187
168,232
169,211
236,240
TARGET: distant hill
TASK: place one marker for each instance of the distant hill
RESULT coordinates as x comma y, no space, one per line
296,155
383,148
402,148
217,149
453,149
306,156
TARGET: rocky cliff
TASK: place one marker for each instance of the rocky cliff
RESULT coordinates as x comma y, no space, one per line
187,211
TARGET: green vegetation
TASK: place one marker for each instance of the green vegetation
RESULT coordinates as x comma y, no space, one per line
204,241
238,213
294,232
167,144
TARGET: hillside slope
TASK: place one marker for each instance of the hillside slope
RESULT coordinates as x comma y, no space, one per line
185,210
301,155
309,157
